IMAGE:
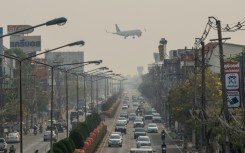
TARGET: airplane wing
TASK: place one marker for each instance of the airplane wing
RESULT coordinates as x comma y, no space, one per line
110,32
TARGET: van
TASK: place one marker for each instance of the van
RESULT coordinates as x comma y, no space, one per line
142,150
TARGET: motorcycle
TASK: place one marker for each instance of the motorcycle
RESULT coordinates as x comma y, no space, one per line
164,150
163,136
35,132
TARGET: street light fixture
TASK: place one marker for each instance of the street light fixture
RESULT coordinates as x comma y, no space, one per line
20,84
66,71
58,21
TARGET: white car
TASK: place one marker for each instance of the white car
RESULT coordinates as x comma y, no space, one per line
152,128
143,141
13,137
138,123
119,133
132,116
123,119
125,106
47,136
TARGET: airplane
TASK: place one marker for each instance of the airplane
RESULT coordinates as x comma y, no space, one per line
135,32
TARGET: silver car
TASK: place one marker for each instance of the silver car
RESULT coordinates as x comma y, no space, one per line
13,137
47,136
143,141
152,128
115,140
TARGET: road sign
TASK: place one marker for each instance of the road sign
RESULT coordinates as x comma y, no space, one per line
233,98
232,81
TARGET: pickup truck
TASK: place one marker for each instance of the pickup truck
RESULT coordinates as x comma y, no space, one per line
3,145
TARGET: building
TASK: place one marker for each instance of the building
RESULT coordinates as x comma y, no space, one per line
212,54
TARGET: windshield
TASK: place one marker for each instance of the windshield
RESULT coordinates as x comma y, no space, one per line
143,139
152,125
115,137
138,120
140,130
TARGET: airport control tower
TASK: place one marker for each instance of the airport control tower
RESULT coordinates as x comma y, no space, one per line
162,48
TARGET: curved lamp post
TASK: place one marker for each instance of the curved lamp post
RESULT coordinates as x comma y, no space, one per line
57,21
20,81
52,92
66,71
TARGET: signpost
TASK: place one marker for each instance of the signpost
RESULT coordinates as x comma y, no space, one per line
232,79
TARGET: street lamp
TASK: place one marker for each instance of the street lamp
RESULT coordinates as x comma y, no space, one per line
58,21
20,81
52,92
66,71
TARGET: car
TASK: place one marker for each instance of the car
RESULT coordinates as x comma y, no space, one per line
148,116
140,117
59,127
143,141
138,123
125,106
152,128
47,136
123,119
13,137
156,119
124,114
119,133
73,114
132,116
3,145
139,131
80,111
120,127
115,140
142,150
135,104
55,129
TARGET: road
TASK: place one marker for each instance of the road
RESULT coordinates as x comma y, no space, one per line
128,139
33,142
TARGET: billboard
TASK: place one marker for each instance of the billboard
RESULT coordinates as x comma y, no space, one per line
27,43
14,28
232,83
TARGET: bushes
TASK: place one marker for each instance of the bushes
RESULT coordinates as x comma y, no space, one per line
107,105
87,135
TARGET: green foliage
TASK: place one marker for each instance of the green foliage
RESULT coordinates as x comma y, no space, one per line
57,150
109,102
68,144
73,147
61,145
77,138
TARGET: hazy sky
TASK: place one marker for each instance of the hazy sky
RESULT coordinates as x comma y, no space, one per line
178,21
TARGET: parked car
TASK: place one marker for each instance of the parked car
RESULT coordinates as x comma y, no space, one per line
115,140
139,131
143,141
152,128
13,137
120,127
3,145
47,136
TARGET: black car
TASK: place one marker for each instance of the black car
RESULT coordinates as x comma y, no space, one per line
120,127
139,132
59,127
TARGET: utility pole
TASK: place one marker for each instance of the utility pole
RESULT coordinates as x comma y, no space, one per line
194,102
203,104
227,145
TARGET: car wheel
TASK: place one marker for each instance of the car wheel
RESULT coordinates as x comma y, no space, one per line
120,145
44,140
109,145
